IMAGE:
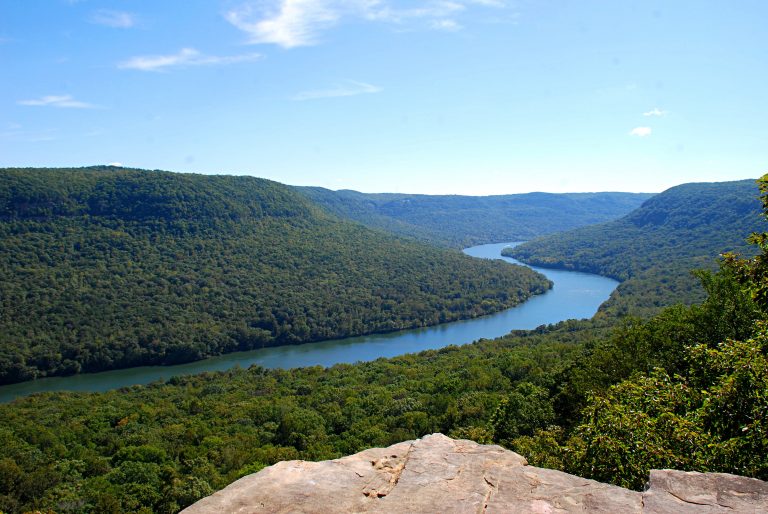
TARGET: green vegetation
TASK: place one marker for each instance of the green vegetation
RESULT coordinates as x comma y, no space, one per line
162,446
104,268
461,221
684,389
652,249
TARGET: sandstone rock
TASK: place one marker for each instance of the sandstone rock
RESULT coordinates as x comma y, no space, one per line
439,474
690,492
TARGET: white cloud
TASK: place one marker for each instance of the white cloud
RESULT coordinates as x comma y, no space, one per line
351,88
115,19
295,23
116,164
640,131
61,101
655,112
185,57
289,24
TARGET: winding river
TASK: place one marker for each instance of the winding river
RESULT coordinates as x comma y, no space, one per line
574,296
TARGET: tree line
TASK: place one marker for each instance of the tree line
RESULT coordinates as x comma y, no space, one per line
112,268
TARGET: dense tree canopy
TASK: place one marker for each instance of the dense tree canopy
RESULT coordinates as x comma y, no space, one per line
685,389
460,221
104,268
652,249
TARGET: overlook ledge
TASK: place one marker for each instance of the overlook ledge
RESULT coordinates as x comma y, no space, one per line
440,474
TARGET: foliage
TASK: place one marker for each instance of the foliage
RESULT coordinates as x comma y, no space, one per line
524,410
715,420
652,249
640,346
689,388
104,268
753,273
460,221
686,389
163,446
638,426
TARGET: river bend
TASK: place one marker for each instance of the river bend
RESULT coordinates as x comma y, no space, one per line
575,295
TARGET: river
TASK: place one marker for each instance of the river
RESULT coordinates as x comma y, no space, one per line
574,296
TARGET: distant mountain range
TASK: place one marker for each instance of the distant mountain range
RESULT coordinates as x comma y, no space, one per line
130,265
460,221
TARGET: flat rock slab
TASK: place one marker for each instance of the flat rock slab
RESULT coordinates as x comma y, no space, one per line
439,474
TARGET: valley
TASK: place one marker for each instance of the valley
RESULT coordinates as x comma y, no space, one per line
553,388
574,295
113,268
404,244
459,221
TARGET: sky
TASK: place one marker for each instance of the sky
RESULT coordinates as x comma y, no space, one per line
471,97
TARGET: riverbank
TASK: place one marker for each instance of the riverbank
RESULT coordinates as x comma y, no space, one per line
575,295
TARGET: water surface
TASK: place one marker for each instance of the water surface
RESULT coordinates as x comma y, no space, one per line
575,295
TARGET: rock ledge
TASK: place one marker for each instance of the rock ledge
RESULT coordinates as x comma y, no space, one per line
439,474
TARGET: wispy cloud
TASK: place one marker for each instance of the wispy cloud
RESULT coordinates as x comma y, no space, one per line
115,19
434,11
655,112
288,23
184,58
350,88
61,101
295,23
641,131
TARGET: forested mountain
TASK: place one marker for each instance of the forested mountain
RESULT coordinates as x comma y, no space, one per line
104,268
682,390
461,221
652,249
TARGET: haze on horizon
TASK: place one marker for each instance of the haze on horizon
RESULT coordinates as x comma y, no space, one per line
473,97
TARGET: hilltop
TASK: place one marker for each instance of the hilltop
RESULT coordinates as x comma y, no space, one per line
652,249
593,402
459,221
104,268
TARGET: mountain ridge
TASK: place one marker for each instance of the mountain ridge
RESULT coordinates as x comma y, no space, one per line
652,249
459,220
106,268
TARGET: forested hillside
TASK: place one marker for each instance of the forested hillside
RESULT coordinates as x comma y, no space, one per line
682,390
104,268
653,249
461,221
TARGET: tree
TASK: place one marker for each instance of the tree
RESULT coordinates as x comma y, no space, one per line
524,410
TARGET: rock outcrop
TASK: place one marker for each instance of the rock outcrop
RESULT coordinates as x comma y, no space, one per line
439,474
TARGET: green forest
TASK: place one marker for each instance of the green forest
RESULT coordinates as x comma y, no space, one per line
652,249
461,221
608,398
104,268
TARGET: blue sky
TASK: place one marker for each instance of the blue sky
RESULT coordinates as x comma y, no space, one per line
445,96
